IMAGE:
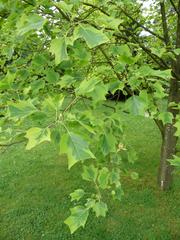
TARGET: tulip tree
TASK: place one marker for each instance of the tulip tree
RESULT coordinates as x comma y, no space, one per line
58,61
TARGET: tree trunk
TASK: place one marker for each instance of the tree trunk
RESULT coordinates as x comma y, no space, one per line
169,141
168,149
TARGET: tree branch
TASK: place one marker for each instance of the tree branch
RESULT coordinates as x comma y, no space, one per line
129,16
27,2
96,7
142,26
174,6
155,58
106,105
164,24
10,144
160,126
70,104
63,14
112,66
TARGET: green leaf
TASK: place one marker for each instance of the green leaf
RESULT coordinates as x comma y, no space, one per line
59,49
40,60
21,109
166,117
158,51
136,105
56,137
91,35
28,23
113,86
5,136
103,178
100,208
87,86
177,125
75,2
175,161
81,53
147,71
54,103
108,144
66,81
99,93
36,136
37,85
159,91
6,83
90,203
108,21
114,177
124,55
177,51
75,147
77,219
90,173
52,76
64,6
87,127
77,194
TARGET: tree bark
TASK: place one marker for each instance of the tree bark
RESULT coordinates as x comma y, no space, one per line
168,149
169,141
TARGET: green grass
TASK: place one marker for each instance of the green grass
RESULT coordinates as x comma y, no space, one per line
34,189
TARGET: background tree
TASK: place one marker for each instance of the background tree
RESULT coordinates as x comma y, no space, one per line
59,60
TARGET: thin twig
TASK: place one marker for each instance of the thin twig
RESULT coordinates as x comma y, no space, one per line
96,7
70,104
112,66
160,126
29,3
174,6
10,144
105,105
63,14
142,26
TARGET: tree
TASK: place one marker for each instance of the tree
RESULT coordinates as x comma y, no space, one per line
58,61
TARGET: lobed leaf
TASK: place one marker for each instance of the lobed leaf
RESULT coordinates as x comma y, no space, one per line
75,147
36,136
78,218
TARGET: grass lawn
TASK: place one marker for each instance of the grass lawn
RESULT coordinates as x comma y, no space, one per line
34,189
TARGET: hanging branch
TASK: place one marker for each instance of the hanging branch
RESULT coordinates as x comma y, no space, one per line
63,14
11,144
74,101
174,6
155,58
142,26
96,7
112,66
129,16
159,125
29,3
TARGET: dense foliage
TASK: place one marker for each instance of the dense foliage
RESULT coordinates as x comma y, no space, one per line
59,59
